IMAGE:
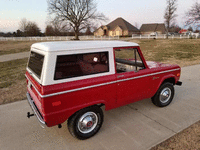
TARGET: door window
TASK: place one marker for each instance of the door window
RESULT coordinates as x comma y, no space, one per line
128,60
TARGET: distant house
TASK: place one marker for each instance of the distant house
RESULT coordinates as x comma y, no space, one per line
187,32
118,27
183,31
155,27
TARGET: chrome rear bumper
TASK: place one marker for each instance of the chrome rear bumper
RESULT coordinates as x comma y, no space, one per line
35,110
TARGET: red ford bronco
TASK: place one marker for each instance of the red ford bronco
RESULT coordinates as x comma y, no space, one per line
72,80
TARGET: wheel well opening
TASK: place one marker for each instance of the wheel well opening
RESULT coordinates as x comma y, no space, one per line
99,105
170,80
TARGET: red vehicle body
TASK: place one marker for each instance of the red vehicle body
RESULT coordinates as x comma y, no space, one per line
54,103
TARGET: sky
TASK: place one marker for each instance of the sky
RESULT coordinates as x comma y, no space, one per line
137,12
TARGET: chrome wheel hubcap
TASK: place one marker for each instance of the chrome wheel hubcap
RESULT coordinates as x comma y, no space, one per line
87,122
165,95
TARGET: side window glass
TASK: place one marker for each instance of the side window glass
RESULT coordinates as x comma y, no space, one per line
128,60
68,66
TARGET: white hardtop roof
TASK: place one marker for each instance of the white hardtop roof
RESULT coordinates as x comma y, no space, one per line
78,45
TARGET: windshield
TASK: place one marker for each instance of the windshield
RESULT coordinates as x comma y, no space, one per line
35,63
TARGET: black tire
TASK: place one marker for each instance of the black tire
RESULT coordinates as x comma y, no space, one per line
164,95
86,122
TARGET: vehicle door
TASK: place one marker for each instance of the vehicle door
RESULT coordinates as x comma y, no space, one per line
132,82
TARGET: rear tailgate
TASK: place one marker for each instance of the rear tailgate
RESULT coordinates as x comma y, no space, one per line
34,97
34,79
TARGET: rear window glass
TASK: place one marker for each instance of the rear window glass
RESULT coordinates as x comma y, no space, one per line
36,63
68,66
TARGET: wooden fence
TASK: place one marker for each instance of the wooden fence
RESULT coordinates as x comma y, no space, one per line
67,38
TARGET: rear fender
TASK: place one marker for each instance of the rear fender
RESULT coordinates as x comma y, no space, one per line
62,116
96,103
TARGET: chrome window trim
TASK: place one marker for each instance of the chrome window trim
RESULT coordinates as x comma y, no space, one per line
97,85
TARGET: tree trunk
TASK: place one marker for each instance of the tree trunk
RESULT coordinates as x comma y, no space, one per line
76,34
167,29
167,33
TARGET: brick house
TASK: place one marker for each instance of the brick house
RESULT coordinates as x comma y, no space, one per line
155,27
118,27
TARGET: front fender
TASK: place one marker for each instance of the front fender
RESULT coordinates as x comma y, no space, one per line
163,79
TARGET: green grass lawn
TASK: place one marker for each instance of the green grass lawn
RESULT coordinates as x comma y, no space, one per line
10,47
12,80
179,49
12,71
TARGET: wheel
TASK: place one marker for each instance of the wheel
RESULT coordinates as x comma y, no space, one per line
86,122
164,95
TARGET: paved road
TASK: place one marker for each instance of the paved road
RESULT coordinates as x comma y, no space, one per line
15,56
137,126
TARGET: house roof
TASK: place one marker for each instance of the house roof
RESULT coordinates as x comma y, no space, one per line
153,27
123,24
183,31
79,45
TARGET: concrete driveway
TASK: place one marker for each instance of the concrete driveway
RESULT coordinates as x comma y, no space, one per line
14,56
137,126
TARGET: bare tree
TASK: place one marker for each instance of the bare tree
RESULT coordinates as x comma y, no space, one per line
170,13
76,13
136,25
23,24
49,31
88,31
93,26
193,16
175,28
32,29
190,28
60,26
29,28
